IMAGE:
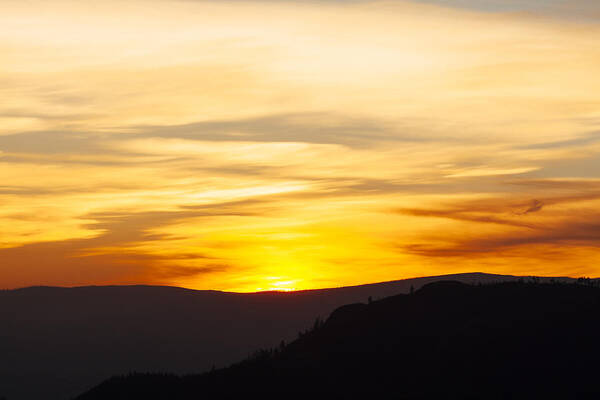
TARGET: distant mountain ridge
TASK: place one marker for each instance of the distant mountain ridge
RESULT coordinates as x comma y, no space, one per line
450,340
66,340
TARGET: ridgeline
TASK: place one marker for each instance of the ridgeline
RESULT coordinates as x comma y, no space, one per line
447,340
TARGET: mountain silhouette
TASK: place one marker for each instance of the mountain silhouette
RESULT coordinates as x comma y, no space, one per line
58,342
450,340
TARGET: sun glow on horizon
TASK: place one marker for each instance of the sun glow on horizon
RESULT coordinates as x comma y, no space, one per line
278,285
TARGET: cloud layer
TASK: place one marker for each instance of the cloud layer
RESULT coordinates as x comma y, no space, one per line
256,145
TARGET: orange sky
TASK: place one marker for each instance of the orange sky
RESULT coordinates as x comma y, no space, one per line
250,145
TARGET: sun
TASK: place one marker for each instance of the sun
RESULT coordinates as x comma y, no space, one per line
278,284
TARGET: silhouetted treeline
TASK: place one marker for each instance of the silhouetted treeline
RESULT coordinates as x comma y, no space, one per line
447,340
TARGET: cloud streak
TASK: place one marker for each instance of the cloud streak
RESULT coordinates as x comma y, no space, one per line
554,232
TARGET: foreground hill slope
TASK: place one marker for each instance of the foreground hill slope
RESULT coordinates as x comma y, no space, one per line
448,340
57,342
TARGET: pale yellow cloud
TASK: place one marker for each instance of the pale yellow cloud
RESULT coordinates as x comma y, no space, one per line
490,172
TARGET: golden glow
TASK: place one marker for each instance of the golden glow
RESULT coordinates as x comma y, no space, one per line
285,145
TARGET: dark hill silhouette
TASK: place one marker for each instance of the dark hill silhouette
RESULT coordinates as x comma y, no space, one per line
449,340
58,342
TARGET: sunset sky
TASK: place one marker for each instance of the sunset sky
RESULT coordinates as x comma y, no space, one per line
245,145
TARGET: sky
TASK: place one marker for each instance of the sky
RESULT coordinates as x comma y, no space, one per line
283,145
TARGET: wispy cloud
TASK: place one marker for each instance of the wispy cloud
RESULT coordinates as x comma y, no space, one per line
225,144
566,229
